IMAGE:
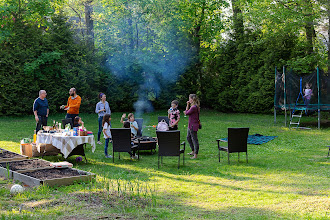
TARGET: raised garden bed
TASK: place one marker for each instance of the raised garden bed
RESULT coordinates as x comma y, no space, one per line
6,156
23,166
52,177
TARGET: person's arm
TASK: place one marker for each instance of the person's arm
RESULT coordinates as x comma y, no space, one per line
122,118
107,109
47,108
177,122
187,108
97,108
36,116
35,112
190,111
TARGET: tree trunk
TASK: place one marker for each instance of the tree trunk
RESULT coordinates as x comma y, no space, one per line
310,35
89,23
309,27
238,24
197,40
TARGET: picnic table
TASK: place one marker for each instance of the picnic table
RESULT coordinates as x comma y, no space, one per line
66,144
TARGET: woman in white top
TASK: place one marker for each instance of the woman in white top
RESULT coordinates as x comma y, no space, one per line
102,108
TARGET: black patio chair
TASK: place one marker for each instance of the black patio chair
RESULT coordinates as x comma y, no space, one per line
67,121
121,141
139,121
169,145
237,142
160,118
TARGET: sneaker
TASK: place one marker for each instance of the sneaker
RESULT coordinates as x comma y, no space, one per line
99,142
108,156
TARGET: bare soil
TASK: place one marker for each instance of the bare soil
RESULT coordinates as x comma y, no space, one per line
53,173
8,154
26,164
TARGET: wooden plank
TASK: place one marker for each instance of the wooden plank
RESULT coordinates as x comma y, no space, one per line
4,173
28,180
31,181
86,177
16,158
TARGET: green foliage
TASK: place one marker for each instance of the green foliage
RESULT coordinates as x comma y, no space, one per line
34,59
155,51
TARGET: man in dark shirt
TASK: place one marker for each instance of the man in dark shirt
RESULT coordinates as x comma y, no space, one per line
41,110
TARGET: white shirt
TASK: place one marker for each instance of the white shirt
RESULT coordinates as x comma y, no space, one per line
135,124
106,127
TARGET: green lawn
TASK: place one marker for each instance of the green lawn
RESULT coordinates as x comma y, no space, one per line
286,178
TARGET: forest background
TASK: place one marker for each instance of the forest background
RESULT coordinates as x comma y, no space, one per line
145,53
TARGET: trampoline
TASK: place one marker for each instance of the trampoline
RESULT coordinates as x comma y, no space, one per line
289,92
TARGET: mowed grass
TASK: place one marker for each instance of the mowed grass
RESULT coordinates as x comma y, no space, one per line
286,178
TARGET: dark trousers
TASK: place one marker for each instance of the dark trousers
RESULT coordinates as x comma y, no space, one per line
71,116
42,122
193,140
175,127
106,146
100,128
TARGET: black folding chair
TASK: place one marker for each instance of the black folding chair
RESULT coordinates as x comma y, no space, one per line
139,121
160,118
121,141
237,142
67,121
169,145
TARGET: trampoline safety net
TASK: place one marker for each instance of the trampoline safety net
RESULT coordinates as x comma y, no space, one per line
290,86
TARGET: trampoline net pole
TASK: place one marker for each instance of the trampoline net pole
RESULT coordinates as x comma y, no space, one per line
318,99
284,95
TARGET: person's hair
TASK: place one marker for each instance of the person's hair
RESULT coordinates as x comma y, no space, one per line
76,120
175,102
126,124
41,91
130,115
195,100
100,95
106,118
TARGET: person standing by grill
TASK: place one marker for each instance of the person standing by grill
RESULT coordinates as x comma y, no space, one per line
41,110
193,109
102,108
73,104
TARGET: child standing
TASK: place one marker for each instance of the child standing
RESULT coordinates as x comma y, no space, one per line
106,132
308,94
133,124
174,115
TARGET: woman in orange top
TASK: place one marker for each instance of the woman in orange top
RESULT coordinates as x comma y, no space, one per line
73,104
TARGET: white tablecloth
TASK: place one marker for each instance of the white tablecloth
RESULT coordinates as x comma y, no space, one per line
65,143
